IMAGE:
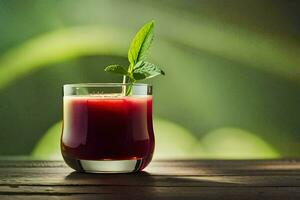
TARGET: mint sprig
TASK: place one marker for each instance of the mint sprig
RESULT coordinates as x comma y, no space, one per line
138,68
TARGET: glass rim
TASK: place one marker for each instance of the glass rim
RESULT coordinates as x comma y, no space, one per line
105,84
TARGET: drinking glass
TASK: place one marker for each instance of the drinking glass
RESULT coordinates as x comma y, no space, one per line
107,127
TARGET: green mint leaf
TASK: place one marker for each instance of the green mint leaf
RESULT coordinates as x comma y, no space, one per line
139,76
139,64
116,69
140,44
148,69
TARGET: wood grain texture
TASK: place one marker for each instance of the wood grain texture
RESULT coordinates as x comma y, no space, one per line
167,179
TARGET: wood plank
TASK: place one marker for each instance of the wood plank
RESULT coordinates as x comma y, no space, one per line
285,167
187,163
191,179
174,171
148,180
232,193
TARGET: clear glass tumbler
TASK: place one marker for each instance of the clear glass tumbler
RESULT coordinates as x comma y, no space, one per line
106,130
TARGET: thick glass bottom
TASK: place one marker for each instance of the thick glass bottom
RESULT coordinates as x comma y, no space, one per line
105,166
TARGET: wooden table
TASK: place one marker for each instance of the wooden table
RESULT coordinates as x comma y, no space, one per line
192,179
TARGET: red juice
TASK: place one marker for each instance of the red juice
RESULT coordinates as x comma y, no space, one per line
107,128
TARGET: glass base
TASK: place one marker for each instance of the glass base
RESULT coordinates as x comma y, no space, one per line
106,166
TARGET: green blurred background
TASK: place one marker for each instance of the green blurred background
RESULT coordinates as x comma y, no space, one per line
232,88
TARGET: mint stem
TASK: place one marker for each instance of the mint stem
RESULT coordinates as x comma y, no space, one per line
128,87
